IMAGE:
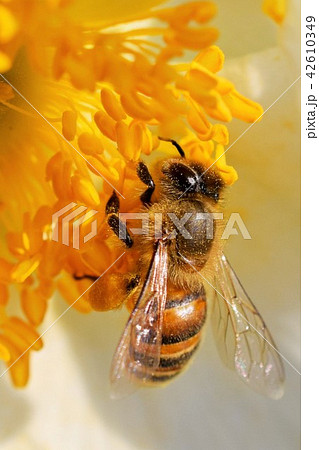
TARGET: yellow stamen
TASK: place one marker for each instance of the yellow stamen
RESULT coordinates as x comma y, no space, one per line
24,269
211,58
71,291
8,25
84,191
112,92
34,306
228,173
276,9
106,124
111,105
90,144
69,125
4,352
243,108
22,334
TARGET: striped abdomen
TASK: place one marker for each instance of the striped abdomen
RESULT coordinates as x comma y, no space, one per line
184,317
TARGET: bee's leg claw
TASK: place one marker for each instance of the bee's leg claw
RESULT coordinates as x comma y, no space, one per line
118,227
146,178
113,204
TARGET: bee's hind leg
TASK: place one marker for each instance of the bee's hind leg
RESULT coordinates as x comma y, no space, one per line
146,178
117,226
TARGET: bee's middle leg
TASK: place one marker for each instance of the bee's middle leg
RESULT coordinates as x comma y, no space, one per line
146,178
117,226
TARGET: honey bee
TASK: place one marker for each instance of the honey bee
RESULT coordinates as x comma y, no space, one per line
168,293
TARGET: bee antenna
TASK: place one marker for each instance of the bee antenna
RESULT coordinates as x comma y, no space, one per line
176,144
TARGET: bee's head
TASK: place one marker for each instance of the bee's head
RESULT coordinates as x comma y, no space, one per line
189,179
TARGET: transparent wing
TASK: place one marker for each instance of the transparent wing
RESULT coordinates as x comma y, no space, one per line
138,353
243,340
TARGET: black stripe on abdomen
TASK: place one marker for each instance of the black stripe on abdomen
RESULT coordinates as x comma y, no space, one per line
183,336
184,317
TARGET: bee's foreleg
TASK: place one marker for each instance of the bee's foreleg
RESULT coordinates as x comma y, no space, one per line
113,204
117,226
120,229
146,178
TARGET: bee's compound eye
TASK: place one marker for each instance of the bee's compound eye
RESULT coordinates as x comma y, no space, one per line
183,177
212,185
